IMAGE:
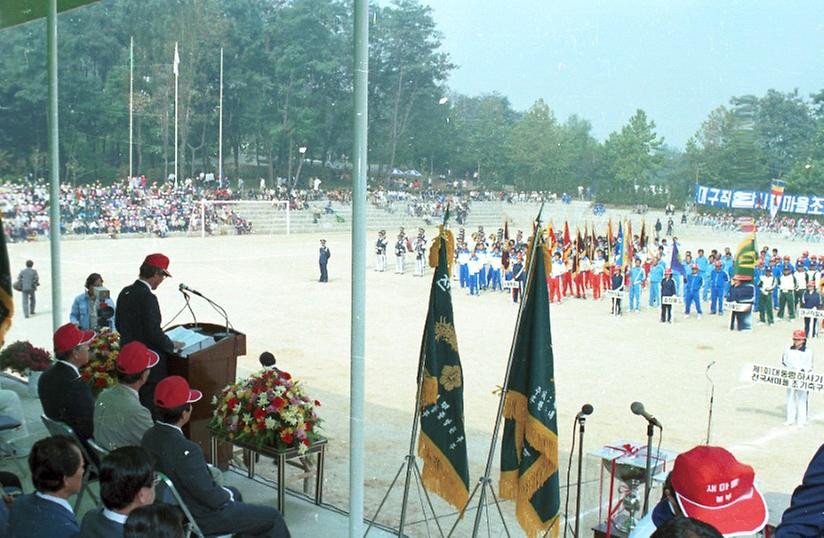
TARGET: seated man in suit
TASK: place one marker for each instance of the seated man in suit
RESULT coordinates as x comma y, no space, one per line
119,418
57,473
63,393
217,510
127,482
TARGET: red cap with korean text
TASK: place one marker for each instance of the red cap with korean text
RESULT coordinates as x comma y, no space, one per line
714,487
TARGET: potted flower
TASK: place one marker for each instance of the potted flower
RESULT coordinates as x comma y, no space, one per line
269,409
26,360
100,373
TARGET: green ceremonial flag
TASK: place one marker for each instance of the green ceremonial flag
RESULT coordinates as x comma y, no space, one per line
6,302
745,259
529,449
442,441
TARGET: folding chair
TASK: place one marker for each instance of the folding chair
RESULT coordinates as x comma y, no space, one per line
99,450
55,428
7,450
168,494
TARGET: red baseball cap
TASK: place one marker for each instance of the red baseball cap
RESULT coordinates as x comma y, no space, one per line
798,334
158,260
714,487
69,336
174,391
135,357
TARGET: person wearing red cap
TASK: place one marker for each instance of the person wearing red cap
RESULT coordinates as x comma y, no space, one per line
797,357
707,483
65,396
217,510
692,291
137,318
119,418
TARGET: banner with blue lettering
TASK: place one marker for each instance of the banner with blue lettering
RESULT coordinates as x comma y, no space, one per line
736,199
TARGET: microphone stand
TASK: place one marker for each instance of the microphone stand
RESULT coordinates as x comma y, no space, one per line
648,473
581,421
712,399
189,306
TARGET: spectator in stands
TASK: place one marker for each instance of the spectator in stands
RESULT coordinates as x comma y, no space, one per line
155,521
57,473
217,510
119,418
127,482
707,483
63,393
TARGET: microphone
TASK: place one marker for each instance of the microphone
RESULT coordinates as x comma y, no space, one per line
637,408
586,410
184,287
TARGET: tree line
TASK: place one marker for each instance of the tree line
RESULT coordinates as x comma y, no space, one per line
287,85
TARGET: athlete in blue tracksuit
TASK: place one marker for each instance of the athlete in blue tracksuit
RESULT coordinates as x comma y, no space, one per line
463,265
656,276
778,270
704,268
636,278
692,289
718,284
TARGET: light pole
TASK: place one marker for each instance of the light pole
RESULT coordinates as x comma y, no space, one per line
302,151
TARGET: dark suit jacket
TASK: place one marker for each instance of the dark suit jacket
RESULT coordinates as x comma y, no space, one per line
33,516
67,398
182,461
138,318
805,516
96,525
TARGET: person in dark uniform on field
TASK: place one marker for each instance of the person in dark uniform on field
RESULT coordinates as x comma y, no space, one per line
380,251
617,285
323,258
668,289
138,318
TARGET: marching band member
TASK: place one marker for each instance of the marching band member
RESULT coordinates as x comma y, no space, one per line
400,253
519,275
380,251
420,254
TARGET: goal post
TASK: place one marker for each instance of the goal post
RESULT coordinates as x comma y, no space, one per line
256,213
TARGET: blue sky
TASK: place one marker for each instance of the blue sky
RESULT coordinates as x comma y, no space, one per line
677,60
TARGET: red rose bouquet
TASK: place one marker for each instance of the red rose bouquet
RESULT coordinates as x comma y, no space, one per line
99,373
268,409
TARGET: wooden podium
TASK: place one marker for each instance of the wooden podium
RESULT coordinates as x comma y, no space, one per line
209,371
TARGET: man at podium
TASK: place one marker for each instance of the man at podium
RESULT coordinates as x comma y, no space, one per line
138,318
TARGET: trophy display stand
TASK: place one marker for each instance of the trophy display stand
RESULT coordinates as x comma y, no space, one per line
623,473
209,370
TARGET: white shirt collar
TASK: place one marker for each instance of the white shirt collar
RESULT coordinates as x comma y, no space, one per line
114,516
72,366
146,283
58,500
171,426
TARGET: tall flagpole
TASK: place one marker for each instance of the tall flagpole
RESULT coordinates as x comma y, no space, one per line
220,127
177,73
131,104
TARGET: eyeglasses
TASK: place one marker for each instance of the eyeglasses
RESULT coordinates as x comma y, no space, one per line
154,482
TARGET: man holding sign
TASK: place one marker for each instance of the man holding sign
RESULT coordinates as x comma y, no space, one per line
811,300
797,357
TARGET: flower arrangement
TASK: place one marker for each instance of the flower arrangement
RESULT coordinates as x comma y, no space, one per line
22,358
99,373
268,409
